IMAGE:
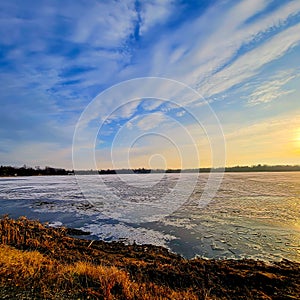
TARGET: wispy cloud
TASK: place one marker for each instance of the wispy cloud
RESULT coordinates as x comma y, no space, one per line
154,13
215,58
100,24
272,89
151,121
249,64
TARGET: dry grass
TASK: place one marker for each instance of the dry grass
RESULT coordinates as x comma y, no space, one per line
48,278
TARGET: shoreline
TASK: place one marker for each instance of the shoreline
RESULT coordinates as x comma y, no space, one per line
10,171
163,172
138,270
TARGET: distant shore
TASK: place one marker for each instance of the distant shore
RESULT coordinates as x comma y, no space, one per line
39,262
9,171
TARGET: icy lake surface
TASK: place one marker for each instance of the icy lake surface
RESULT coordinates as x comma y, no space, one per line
252,215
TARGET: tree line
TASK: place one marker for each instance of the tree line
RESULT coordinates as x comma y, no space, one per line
29,171
254,168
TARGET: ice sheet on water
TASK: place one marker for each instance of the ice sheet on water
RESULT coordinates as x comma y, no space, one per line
55,224
150,198
128,234
40,187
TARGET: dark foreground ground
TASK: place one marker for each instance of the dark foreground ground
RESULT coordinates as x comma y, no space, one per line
37,262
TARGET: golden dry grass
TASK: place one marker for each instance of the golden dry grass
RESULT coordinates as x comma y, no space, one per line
47,277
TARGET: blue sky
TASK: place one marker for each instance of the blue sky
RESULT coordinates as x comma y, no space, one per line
242,57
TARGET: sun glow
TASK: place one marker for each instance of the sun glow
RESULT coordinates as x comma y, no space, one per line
298,137
297,141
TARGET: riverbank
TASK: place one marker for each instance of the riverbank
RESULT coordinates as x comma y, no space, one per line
38,262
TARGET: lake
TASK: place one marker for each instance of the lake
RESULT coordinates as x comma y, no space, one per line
250,215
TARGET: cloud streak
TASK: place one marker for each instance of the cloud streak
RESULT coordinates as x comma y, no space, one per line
272,89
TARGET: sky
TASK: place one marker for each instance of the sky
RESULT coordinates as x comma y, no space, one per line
160,84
